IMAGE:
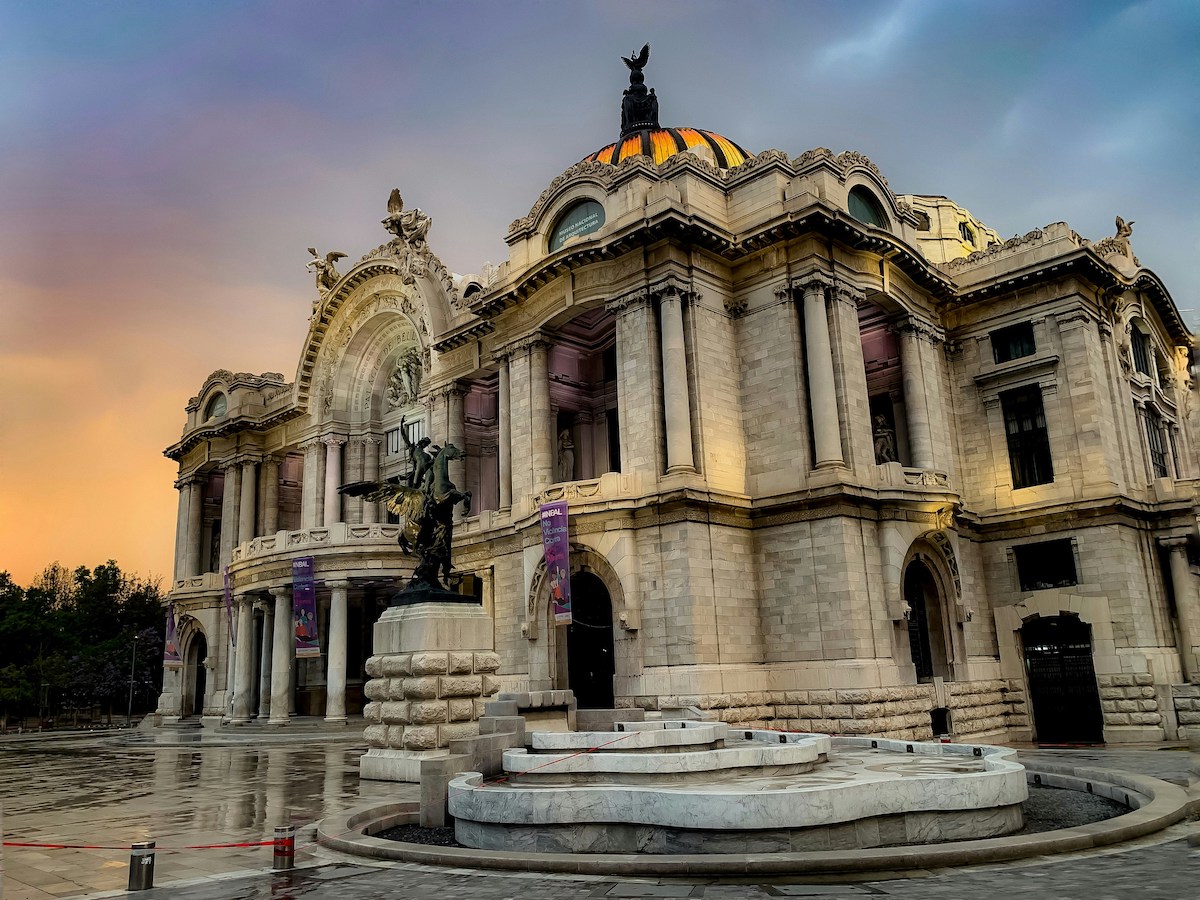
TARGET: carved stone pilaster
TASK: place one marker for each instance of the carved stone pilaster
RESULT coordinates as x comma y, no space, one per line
629,300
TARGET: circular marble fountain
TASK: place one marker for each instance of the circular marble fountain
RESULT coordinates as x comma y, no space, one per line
704,787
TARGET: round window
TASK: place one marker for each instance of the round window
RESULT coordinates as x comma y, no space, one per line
216,407
582,218
865,208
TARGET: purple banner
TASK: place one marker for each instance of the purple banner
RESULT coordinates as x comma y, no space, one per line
171,658
304,607
556,544
229,609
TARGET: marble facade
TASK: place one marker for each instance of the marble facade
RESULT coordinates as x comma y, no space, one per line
834,451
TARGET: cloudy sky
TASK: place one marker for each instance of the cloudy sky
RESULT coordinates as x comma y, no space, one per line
164,165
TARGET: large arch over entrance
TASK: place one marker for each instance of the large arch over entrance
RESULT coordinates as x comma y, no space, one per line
1063,693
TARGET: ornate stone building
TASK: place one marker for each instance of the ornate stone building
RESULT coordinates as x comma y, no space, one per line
837,459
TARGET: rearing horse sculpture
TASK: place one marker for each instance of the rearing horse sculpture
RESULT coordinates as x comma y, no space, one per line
427,513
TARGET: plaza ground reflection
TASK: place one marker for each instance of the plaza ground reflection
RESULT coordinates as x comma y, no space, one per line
107,792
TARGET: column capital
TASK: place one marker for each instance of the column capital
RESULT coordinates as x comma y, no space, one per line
628,301
232,462
1174,542
186,481
811,282
264,606
337,583
849,294
310,445
366,439
919,328
672,286
280,591
453,389
333,440
535,341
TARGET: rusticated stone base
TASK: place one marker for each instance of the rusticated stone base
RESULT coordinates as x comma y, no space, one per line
432,670
976,708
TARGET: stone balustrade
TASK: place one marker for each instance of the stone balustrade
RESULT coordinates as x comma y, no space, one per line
338,534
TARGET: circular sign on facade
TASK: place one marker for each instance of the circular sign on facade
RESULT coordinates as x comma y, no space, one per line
582,218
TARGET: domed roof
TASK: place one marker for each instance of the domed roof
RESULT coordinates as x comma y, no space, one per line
661,144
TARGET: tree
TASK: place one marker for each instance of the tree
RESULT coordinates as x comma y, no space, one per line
67,641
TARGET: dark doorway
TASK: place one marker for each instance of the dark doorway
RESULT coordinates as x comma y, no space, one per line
590,654
1062,680
194,677
926,635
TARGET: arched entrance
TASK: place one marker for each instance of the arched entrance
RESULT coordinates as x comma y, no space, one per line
926,628
590,654
1062,680
194,676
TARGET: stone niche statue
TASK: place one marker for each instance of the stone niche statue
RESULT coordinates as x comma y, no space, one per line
404,384
885,440
426,509
566,456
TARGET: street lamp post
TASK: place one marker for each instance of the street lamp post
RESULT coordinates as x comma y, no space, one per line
132,666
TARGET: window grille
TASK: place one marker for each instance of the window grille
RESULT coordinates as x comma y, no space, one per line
1028,441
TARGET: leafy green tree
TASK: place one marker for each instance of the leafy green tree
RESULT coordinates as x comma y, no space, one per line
69,642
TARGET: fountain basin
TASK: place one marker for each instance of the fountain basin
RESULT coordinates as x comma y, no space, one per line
870,792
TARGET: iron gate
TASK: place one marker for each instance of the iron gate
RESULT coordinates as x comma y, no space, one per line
1062,681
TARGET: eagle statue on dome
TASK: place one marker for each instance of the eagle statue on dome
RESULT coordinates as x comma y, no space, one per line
327,274
639,106
637,61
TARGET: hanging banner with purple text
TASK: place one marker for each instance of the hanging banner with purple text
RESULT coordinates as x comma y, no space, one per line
229,609
304,607
171,658
556,544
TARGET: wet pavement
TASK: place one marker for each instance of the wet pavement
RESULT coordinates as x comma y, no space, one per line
108,791
104,792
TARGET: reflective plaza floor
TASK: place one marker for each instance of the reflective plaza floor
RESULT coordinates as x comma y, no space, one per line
107,791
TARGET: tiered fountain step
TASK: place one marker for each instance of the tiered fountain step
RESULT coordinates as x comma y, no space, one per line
702,787
662,753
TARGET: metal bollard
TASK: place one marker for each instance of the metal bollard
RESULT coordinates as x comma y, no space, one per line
141,866
285,847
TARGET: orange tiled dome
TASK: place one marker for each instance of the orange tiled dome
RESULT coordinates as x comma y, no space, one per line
661,144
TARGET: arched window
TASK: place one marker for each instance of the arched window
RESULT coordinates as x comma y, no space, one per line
583,218
865,208
216,408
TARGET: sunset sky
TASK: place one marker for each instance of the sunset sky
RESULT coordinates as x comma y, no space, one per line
164,165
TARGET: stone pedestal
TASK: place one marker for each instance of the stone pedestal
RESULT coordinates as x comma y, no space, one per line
432,668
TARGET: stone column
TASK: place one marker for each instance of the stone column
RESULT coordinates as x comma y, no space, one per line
335,678
333,477
264,656
677,413
854,402
822,391
354,472
181,529
310,489
456,434
370,511
504,436
243,665
1187,608
249,493
920,435
281,656
195,526
542,429
638,384
229,512
270,474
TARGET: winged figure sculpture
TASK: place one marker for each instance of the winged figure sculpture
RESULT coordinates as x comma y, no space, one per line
637,62
324,268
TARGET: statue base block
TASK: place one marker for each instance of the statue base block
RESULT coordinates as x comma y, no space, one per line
423,593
